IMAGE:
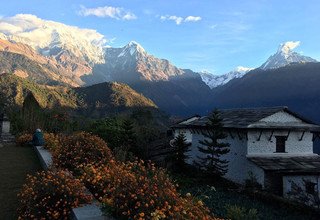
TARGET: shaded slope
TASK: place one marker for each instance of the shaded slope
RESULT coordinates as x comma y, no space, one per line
113,97
296,86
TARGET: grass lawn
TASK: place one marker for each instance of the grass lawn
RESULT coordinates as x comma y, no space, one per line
15,164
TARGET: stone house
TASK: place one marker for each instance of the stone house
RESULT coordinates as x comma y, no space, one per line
274,145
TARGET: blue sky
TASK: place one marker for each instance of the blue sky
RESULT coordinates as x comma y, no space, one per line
208,35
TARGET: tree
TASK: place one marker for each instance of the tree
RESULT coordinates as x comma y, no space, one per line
129,135
181,148
213,148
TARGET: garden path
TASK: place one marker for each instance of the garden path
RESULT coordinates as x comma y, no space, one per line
15,164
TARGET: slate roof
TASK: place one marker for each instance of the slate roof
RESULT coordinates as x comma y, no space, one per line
244,117
288,164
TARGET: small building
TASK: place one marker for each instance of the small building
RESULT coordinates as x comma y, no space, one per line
273,145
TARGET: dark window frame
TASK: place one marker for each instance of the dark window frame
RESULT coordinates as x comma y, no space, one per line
281,144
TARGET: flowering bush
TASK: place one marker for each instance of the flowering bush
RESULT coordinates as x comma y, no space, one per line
23,139
80,149
53,141
50,195
136,190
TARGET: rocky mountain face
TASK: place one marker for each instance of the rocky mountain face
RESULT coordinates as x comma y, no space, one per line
174,90
214,81
71,49
132,64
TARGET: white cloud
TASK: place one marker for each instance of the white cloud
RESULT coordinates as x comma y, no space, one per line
178,20
213,26
192,19
108,11
174,18
291,44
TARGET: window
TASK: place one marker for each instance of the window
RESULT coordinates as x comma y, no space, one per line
310,187
280,144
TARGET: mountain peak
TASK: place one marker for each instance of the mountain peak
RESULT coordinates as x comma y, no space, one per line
285,55
218,80
50,37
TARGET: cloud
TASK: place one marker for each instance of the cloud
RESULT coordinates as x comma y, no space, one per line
174,18
108,12
178,20
290,45
213,26
192,19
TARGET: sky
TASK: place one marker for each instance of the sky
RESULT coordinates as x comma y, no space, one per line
202,35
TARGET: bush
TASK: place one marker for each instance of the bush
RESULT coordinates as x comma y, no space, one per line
81,149
240,213
135,190
53,141
24,140
50,195
252,182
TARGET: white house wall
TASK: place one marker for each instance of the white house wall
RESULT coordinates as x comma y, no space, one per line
293,145
281,117
238,167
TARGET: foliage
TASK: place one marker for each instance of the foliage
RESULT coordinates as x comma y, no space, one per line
23,139
240,213
128,134
179,157
80,149
252,182
299,193
50,195
53,141
110,130
136,190
212,148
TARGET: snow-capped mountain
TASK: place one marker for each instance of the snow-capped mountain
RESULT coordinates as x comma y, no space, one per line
132,63
285,55
214,81
50,38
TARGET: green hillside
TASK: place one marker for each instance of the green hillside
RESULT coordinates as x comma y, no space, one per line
96,100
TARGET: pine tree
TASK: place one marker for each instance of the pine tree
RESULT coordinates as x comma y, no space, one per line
32,115
181,148
213,148
129,135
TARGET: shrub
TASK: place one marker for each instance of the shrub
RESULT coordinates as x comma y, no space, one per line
24,140
50,195
240,213
135,190
80,149
53,141
252,182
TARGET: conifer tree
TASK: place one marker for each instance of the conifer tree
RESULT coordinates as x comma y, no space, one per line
181,148
213,148
129,135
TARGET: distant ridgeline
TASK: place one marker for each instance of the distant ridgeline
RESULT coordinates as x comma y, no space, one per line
97,100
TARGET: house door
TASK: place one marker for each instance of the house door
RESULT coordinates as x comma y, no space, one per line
274,183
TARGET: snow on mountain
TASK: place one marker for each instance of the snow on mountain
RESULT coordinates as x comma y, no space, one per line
52,38
132,48
285,55
218,80
132,63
